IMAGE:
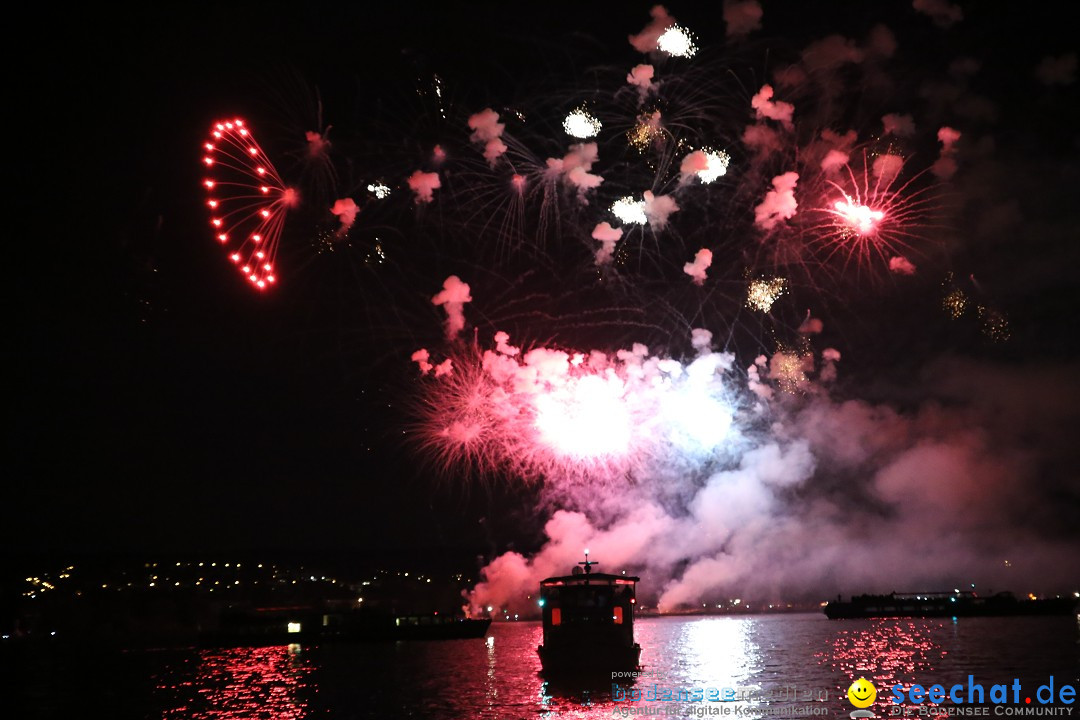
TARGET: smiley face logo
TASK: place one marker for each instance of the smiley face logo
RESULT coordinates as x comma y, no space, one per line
861,693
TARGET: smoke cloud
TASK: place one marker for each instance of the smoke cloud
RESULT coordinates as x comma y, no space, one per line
766,107
779,203
645,41
945,167
901,265
658,208
832,495
742,17
942,12
607,236
453,297
898,125
574,168
346,210
696,269
487,131
424,184
1059,70
641,76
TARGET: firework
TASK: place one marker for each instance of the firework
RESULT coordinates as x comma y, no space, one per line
873,218
677,42
707,165
763,293
954,301
247,199
568,416
598,422
994,324
630,211
580,124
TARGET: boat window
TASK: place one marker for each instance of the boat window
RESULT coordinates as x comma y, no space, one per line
556,616
617,615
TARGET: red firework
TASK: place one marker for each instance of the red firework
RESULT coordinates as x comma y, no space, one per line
248,200
871,216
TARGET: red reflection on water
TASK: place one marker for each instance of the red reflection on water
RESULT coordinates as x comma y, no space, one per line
888,652
262,682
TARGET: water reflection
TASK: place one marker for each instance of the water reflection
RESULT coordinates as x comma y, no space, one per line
498,677
719,651
266,682
888,652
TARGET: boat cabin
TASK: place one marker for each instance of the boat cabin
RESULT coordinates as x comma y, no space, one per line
588,621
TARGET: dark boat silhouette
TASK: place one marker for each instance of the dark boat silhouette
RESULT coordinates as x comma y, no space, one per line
588,621
945,604
255,627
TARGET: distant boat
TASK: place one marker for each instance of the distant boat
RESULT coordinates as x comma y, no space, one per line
945,604
588,621
282,626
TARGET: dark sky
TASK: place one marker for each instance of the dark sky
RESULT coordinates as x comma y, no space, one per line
156,404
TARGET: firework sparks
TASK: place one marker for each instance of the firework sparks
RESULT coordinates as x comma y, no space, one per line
580,124
379,190
955,301
645,131
566,416
994,324
677,42
248,200
876,219
706,164
861,219
630,211
762,293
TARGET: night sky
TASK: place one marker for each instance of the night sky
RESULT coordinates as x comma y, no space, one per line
156,404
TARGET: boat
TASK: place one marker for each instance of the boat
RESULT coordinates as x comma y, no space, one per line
255,627
588,622
945,604
439,627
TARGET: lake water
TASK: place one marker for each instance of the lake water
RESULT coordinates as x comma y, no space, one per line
775,665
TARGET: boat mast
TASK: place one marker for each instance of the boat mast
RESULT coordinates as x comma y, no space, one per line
588,563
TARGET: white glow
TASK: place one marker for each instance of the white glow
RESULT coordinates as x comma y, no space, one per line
585,419
294,627
717,166
581,124
379,190
859,217
677,41
698,422
630,211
